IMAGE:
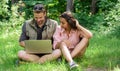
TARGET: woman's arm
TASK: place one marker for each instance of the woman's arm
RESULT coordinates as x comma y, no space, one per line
86,33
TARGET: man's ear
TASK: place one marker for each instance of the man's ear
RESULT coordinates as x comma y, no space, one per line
45,13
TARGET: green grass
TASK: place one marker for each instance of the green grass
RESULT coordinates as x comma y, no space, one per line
102,53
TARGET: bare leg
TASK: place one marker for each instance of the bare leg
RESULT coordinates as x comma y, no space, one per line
80,48
66,52
55,54
27,57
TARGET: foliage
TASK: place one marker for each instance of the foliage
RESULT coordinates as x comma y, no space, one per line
113,20
4,12
105,20
54,7
93,22
116,69
15,20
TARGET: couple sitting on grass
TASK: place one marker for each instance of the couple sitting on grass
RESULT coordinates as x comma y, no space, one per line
70,39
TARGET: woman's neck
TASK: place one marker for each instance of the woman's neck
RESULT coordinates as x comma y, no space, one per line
68,30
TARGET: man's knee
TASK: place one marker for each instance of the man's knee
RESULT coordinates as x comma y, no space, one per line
57,53
21,53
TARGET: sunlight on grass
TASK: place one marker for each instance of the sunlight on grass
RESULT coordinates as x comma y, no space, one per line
116,68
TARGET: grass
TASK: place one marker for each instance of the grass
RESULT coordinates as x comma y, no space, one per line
102,53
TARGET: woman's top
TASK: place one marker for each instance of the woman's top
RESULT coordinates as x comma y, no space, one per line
60,35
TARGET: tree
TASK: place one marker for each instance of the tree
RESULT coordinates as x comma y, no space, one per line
70,5
93,6
14,1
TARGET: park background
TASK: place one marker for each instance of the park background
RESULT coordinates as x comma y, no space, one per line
101,17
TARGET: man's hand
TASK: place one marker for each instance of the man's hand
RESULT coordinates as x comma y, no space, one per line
22,44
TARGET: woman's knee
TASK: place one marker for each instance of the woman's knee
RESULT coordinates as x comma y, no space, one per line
86,41
62,44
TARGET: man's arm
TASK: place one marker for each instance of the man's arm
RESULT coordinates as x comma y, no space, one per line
23,36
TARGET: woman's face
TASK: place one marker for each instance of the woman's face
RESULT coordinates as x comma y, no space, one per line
63,23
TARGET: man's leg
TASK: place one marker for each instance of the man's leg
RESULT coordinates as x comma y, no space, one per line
80,49
28,57
48,57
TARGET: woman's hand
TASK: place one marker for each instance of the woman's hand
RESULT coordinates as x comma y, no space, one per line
67,42
86,33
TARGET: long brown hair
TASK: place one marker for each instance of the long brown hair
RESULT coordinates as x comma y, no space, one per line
70,19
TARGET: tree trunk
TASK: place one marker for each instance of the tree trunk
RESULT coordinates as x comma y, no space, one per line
93,6
14,1
69,5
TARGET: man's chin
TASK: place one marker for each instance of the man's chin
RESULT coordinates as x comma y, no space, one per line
39,23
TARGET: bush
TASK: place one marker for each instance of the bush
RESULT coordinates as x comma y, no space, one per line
4,12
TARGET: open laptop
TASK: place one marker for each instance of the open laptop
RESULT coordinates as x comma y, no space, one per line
38,46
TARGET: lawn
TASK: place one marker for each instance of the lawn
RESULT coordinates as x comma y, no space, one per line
103,54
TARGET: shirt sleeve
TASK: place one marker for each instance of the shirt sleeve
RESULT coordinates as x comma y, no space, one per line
56,37
23,34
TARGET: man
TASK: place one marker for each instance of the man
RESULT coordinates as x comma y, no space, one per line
38,28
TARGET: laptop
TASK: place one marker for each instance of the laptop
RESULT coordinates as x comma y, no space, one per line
38,46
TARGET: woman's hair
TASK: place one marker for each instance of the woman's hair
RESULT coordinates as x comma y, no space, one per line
70,19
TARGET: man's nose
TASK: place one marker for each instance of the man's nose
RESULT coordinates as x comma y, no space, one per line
38,19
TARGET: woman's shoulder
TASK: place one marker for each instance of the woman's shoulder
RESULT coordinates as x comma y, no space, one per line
59,27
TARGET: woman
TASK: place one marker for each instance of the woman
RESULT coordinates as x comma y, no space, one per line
67,38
